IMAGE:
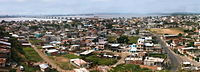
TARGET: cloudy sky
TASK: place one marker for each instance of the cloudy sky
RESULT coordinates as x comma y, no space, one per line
41,7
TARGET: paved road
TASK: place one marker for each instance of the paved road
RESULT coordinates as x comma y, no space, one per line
175,60
49,61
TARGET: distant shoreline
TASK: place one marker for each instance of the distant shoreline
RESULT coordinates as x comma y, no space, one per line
24,18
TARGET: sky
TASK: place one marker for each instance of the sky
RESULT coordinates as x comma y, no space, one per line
52,7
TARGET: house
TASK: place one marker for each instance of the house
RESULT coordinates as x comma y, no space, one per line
133,48
151,67
134,60
48,47
87,52
183,50
3,62
43,67
196,43
148,47
5,52
140,44
188,66
115,47
152,61
169,37
5,43
79,62
52,52
25,43
55,42
74,47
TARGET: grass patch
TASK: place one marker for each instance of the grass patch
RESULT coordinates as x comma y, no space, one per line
129,68
133,39
62,63
101,61
32,55
71,56
39,47
35,41
112,39
29,68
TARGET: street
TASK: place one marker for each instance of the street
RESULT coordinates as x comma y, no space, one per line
175,60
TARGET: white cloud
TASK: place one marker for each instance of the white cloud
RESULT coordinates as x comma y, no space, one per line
100,0
48,0
20,0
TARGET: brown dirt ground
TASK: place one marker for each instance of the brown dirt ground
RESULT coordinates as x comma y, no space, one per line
61,59
166,31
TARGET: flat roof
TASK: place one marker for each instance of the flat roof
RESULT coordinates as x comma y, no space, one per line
47,46
6,43
87,52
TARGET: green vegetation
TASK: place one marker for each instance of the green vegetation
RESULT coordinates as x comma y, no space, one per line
16,50
35,41
154,40
177,52
30,68
163,71
34,27
196,59
112,39
133,39
129,68
190,23
180,35
158,55
31,55
71,56
13,70
94,71
123,39
137,31
51,70
191,44
39,47
23,55
63,62
101,61
3,33
109,26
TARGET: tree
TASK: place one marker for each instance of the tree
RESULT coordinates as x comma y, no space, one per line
137,32
191,44
16,48
123,39
109,26
180,35
112,39
3,33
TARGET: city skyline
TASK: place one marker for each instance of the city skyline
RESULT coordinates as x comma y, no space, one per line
48,7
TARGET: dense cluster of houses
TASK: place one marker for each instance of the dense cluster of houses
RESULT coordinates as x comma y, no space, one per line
140,53
5,51
83,36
